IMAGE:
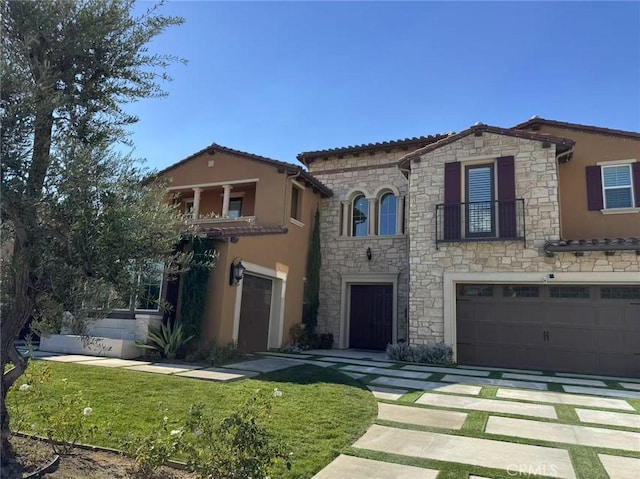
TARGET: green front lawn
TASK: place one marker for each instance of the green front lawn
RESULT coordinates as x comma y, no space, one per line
320,413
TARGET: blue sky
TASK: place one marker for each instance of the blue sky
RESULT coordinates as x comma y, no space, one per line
278,78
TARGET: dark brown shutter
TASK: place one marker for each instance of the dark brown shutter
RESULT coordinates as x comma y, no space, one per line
452,195
594,188
635,171
507,217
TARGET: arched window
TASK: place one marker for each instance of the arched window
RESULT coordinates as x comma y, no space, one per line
360,216
388,214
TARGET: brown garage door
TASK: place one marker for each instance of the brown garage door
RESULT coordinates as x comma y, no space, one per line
255,310
586,329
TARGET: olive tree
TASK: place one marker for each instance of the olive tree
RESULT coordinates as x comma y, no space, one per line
77,217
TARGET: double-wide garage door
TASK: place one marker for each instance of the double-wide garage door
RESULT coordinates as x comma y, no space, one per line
578,328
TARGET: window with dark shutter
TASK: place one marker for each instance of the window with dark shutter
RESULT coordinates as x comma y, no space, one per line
480,208
452,200
506,197
594,188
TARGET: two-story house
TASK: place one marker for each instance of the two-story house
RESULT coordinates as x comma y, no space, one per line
518,247
260,213
524,246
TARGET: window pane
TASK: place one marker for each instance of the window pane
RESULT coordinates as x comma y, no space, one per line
480,184
388,211
579,292
360,218
235,208
475,290
295,196
620,292
618,198
616,176
521,292
150,288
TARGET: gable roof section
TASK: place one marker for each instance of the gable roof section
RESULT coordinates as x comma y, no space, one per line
563,144
282,166
535,123
308,157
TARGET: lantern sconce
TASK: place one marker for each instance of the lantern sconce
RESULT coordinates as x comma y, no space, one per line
369,254
236,272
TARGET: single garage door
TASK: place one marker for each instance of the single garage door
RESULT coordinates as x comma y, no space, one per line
578,328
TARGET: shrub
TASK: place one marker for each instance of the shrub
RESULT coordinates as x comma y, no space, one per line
304,339
438,353
237,448
168,340
216,354
153,450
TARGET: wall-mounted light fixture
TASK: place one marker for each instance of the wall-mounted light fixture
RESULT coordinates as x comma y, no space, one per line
236,272
369,254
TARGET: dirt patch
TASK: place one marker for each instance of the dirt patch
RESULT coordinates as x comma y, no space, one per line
83,463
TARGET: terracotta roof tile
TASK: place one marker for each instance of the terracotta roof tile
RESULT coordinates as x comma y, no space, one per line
226,232
307,157
536,122
565,143
287,167
607,244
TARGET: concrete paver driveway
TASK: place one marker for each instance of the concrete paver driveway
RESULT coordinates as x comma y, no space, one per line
476,423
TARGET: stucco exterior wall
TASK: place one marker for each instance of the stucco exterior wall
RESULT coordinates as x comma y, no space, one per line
536,180
346,255
591,148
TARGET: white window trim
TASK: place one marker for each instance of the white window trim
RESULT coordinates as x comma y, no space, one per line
625,209
296,222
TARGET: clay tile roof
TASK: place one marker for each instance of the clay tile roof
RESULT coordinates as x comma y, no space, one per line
225,232
607,244
290,168
563,144
535,122
307,157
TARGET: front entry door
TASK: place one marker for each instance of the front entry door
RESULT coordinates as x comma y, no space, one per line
255,311
371,316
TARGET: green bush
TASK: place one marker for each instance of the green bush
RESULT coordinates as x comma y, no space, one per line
304,339
216,355
237,448
438,353
152,451
168,340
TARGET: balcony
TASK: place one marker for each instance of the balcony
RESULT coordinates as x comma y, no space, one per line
501,220
218,203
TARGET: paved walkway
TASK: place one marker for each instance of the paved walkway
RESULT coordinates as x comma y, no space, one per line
462,422
478,423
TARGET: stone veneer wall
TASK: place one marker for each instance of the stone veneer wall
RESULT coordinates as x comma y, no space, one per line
536,182
347,255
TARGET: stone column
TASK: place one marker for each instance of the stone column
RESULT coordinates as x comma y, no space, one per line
372,216
345,219
196,203
400,213
225,199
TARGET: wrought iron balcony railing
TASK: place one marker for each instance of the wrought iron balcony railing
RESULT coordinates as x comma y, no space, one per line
500,220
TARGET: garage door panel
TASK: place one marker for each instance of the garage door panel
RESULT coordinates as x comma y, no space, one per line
564,328
575,361
573,339
619,364
567,313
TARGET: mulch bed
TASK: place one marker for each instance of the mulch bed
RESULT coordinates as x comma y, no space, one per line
82,463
